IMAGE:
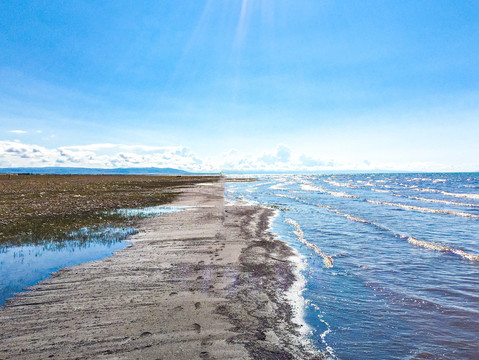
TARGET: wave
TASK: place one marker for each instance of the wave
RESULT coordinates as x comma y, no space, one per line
422,243
462,195
287,196
327,260
341,194
311,187
419,179
366,183
459,195
442,248
423,209
443,201
336,183
281,185
347,216
381,191
425,244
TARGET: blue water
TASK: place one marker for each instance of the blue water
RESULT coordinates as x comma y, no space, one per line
392,259
23,266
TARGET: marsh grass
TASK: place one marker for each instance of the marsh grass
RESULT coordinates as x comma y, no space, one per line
35,208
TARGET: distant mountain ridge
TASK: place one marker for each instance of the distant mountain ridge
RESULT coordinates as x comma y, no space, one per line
94,171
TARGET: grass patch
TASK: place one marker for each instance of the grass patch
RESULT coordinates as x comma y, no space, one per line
38,207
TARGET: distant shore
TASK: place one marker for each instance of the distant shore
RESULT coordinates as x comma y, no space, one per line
204,283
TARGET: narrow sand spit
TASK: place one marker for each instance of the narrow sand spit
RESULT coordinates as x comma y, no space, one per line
208,282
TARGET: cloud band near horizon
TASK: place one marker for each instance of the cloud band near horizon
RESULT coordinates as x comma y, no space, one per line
109,155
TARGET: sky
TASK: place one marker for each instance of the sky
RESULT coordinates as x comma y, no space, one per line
247,85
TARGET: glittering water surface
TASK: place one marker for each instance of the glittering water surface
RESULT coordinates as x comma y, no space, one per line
22,266
392,259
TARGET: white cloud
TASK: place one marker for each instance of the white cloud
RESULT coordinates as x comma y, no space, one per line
18,131
17,154
282,159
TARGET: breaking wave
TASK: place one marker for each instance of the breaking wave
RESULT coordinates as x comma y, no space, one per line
336,183
280,186
310,187
459,195
327,260
444,202
422,243
423,209
347,216
442,248
380,191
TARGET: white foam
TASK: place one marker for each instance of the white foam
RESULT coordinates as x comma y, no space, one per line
462,195
280,186
310,187
287,196
347,216
459,195
423,209
337,183
294,295
341,194
381,191
442,248
327,260
444,202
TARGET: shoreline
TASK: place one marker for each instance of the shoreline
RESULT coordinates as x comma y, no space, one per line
207,282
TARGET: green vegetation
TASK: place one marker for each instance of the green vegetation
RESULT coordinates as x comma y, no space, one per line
38,207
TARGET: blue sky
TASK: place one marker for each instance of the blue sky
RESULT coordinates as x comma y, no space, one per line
240,84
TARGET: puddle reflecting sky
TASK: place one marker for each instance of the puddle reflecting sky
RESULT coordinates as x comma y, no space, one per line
22,266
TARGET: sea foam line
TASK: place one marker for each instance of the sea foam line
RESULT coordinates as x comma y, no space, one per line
295,293
281,185
423,209
381,191
328,330
442,248
443,201
422,243
327,260
347,216
459,195
337,183
310,187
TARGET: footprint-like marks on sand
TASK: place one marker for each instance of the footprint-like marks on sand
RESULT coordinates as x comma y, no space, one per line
204,355
197,327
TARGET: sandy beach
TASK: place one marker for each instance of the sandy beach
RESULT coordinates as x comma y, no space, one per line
208,282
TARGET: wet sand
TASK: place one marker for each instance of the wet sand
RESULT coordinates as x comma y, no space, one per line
208,282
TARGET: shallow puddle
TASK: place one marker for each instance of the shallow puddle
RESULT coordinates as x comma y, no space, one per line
26,265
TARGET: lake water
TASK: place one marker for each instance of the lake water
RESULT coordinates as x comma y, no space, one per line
23,266
392,260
